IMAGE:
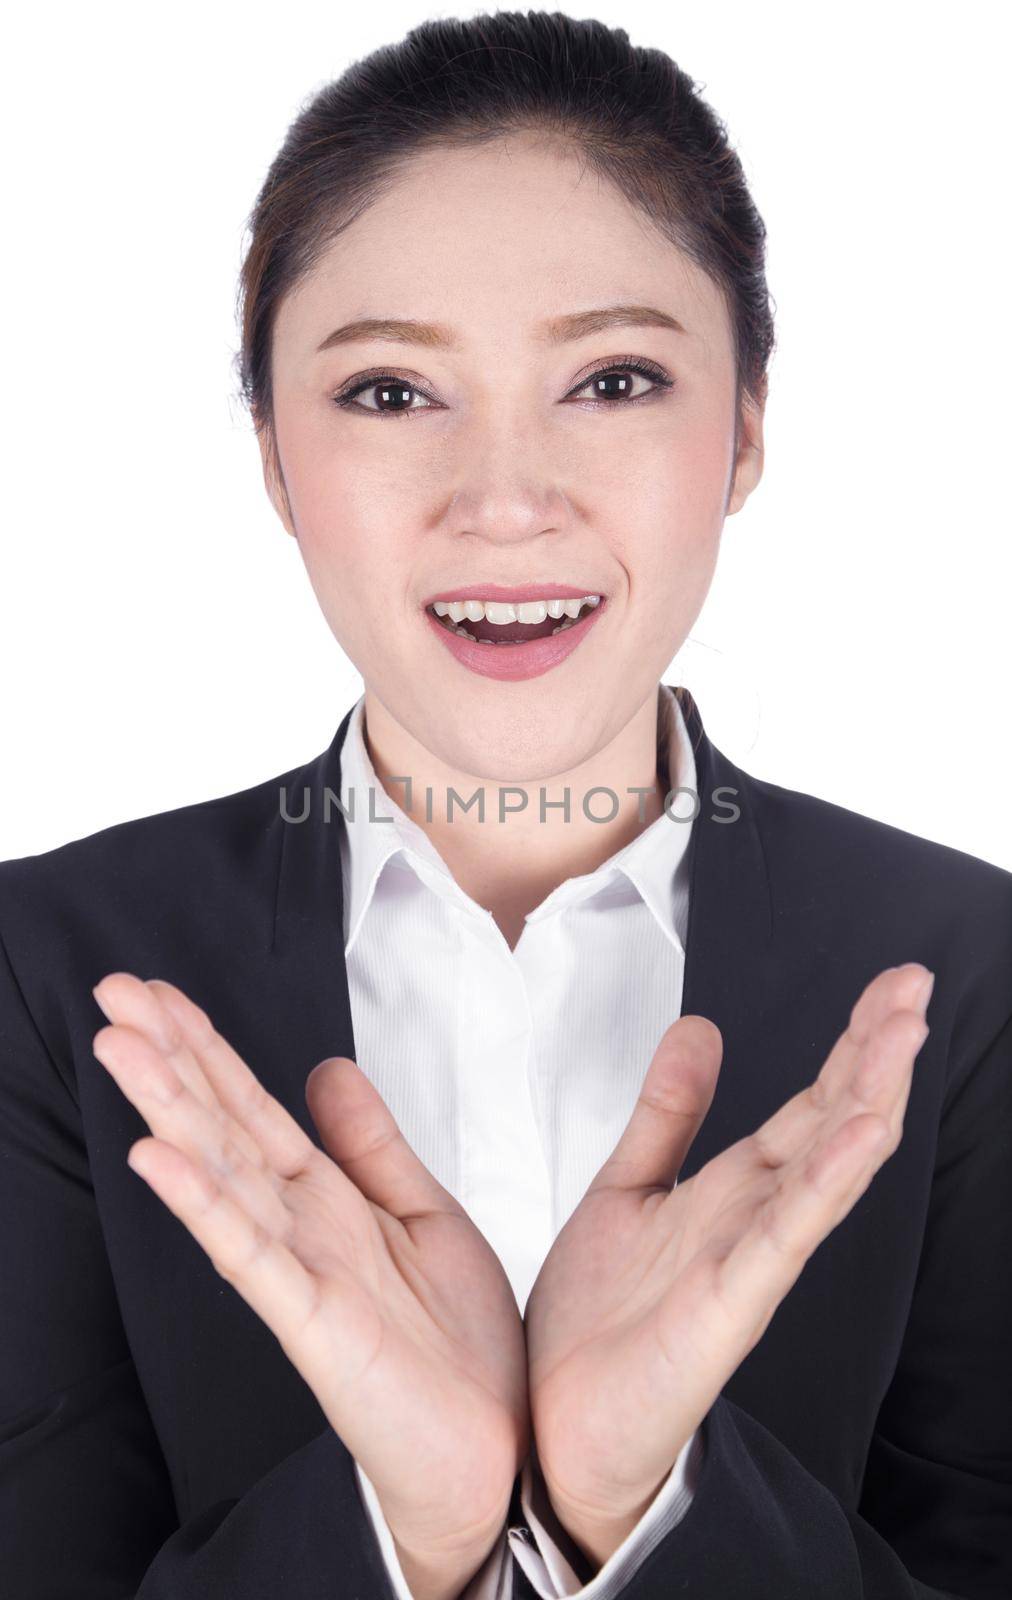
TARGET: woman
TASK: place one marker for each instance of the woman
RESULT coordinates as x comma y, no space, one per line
653,1244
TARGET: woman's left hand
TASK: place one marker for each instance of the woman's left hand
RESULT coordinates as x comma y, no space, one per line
652,1296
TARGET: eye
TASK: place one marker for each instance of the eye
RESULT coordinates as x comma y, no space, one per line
394,395
615,383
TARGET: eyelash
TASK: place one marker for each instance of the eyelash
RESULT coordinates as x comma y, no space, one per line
648,369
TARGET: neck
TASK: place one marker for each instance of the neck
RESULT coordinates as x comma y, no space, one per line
526,843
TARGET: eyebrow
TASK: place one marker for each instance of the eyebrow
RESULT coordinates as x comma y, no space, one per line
557,330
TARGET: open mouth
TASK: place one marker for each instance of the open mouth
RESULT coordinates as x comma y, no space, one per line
500,622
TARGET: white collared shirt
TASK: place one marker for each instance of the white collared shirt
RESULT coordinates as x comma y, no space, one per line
512,1073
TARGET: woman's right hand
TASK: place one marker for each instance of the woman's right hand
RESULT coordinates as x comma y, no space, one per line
379,1288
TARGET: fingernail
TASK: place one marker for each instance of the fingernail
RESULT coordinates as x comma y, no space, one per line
924,993
137,1162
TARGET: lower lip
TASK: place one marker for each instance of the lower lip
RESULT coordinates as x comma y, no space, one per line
516,661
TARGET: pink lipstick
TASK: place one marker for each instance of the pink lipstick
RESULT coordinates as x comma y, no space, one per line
514,657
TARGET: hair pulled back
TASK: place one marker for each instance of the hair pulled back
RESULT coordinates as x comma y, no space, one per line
630,113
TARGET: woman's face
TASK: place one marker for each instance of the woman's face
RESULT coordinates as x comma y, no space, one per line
494,462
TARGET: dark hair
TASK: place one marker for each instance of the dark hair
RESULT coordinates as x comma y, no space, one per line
631,113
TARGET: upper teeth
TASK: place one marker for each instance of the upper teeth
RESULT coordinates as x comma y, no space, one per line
503,611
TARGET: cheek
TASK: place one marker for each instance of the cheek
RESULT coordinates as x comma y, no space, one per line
694,470
353,523
669,533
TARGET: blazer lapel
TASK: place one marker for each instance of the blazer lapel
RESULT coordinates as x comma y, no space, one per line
729,939
729,931
307,947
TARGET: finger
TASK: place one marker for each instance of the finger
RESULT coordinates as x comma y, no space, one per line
881,1085
895,989
284,1145
178,1118
181,1024
675,1098
815,1193
133,1002
260,1267
360,1133
798,1121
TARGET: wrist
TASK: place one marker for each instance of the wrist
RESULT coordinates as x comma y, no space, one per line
598,1538
600,1529
442,1574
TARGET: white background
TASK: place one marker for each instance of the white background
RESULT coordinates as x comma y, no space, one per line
160,641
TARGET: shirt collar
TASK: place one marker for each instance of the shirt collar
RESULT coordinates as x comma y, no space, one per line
380,835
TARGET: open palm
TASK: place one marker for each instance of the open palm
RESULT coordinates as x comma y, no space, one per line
652,1295
377,1285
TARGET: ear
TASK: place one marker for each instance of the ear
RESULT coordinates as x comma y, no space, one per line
274,479
748,466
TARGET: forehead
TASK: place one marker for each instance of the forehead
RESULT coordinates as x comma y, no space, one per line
492,239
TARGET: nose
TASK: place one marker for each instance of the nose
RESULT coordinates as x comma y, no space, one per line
507,489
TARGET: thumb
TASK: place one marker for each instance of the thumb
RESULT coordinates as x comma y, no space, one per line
359,1132
673,1103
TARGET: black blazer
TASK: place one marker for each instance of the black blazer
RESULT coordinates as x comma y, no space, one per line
155,1440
